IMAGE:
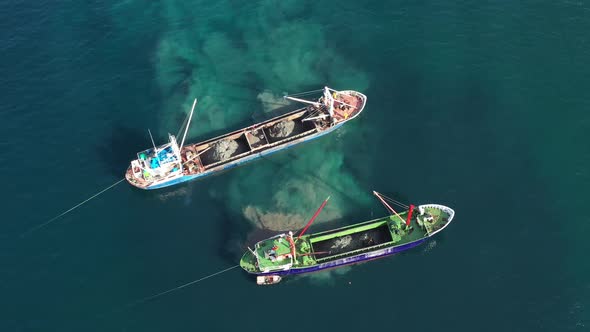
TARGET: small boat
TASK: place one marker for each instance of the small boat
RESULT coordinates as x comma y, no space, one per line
171,163
268,280
285,254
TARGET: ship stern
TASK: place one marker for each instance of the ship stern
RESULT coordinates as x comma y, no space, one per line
249,263
134,177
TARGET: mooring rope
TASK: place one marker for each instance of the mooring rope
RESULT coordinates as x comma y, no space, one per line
69,210
149,298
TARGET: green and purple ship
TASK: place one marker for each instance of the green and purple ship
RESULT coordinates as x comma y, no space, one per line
285,254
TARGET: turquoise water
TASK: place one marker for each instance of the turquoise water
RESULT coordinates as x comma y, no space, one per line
482,107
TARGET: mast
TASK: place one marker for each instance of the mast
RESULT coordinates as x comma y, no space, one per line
154,144
253,253
387,205
292,247
188,124
321,116
304,101
410,214
313,218
329,101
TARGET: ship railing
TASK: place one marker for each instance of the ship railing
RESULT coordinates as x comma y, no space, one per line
354,252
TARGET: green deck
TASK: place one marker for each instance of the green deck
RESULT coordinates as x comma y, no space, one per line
399,234
282,249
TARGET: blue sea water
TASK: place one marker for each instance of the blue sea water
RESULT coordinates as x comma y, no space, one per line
481,106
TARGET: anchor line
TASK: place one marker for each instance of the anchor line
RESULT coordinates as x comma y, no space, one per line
69,210
149,298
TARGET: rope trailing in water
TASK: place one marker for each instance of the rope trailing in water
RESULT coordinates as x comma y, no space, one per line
69,210
146,299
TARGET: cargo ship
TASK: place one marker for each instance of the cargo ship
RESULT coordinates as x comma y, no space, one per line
285,254
172,163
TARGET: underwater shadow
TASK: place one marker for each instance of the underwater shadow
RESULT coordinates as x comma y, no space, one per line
231,230
323,182
238,245
120,148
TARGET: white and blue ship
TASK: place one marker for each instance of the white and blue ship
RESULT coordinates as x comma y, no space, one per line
171,163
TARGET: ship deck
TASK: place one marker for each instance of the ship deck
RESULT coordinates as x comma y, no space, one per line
239,144
348,105
273,253
377,234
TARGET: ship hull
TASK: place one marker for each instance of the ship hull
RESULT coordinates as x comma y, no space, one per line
238,162
360,258
284,255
